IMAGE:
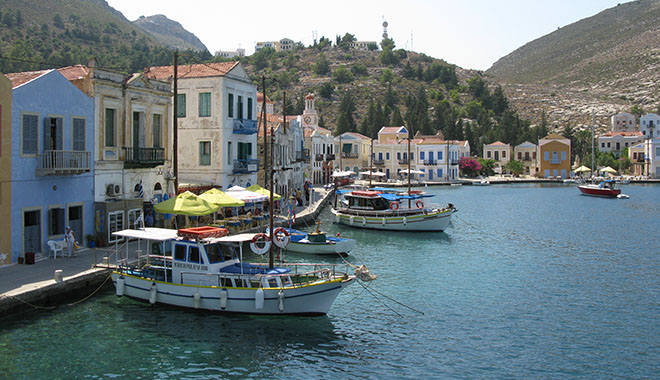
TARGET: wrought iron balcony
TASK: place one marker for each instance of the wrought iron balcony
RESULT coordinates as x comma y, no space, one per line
63,162
143,157
329,157
555,161
640,159
403,161
378,162
302,155
250,165
349,155
454,161
430,162
319,157
245,126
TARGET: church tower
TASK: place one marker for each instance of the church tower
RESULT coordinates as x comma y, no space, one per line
309,116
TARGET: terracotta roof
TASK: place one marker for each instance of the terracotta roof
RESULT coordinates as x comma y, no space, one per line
18,79
497,143
74,72
260,98
200,70
622,133
358,135
310,96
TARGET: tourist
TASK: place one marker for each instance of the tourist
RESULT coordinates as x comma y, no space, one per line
70,238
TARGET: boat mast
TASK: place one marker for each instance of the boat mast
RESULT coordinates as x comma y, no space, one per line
409,200
371,163
175,126
263,119
592,144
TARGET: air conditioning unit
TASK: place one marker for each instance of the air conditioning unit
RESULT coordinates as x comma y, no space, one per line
112,189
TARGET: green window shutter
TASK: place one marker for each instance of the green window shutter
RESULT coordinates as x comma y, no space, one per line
157,131
78,137
30,134
109,127
204,153
204,104
181,105
249,109
230,105
239,107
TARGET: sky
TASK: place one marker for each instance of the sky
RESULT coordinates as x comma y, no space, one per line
472,34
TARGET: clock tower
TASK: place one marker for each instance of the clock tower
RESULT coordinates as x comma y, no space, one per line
309,116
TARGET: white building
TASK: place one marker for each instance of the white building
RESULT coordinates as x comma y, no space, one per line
649,126
320,143
217,126
624,122
230,54
616,142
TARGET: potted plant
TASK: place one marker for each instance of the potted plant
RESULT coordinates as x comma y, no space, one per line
90,241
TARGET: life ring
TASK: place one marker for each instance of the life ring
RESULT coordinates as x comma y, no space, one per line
394,205
281,237
258,238
419,204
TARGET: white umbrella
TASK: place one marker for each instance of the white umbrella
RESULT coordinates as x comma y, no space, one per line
374,174
412,171
343,174
245,195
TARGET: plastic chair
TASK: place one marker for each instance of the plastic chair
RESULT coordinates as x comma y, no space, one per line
55,247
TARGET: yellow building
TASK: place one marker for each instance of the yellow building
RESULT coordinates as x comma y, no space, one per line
5,170
355,149
554,156
500,152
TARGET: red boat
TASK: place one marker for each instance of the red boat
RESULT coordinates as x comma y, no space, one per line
605,189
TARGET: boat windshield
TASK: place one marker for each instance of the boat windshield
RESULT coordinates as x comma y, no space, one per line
375,203
218,253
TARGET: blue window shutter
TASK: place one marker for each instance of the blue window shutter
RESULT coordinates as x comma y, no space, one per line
421,155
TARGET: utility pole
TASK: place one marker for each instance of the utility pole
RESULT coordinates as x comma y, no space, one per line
263,119
175,126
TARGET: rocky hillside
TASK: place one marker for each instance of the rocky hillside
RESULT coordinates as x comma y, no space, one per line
169,33
606,63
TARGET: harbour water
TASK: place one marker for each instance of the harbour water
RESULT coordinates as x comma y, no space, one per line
529,281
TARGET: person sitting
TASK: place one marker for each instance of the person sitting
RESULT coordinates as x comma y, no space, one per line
229,213
241,211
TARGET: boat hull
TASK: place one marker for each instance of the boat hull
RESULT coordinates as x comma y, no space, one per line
436,220
598,191
341,246
311,299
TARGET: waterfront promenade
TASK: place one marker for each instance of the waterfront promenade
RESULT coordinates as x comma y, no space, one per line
32,287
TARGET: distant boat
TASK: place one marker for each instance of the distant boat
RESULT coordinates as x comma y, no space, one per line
387,211
482,182
606,189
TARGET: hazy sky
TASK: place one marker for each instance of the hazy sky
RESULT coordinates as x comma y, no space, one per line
472,34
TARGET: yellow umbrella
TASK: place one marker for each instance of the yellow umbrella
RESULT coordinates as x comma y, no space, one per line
220,198
582,169
186,204
258,189
608,169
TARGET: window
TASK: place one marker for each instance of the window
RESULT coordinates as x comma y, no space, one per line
78,137
421,155
546,155
519,156
387,155
30,135
156,129
53,133
56,221
439,172
133,215
239,107
115,223
229,152
398,155
230,105
249,109
602,145
487,154
534,155
440,156
608,145
110,122
563,156
204,153
204,104
244,150
180,252
503,154
193,255
181,105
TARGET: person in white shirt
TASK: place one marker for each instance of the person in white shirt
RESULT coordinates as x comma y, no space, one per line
70,238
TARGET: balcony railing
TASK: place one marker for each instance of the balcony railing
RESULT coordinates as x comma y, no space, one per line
349,155
454,161
250,165
63,162
555,161
430,162
245,126
640,159
403,161
319,157
329,157
143,157
302,155
378,162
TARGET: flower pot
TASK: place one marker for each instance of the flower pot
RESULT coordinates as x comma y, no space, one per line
91,244
20,260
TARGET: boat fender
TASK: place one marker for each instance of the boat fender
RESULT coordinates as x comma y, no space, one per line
120,286
197,300
254,246
153,294
337,218
364,221
259,299
394,205
223,299
383,221
419,204
405,220
280,300
351,220
281,237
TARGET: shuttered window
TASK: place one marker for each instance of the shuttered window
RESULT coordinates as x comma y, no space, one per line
230,105
181,106
78,138
110,122
204,104
204,153
249,108
156,128
30,135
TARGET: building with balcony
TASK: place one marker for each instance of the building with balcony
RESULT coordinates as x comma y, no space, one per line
353,150
526,153
320,143
52,145
439,158
624,122
5,170
637,157
554,156
500,153
649,125
217,128
617,142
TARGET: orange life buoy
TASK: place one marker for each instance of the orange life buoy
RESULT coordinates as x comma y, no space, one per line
258,238
394,205
419,204
281,237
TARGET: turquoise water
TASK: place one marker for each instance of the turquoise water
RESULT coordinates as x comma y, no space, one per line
529,281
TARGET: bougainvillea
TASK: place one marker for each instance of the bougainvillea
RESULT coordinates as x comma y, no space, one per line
469,166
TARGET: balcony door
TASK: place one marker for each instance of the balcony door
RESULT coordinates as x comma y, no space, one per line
53,129
32,231
76,221
139,134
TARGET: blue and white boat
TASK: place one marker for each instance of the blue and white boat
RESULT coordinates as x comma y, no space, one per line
318,243
204,270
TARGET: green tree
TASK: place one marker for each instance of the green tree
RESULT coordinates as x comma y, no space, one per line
359,69
637,111
387,43
487,166
322,65
397,119
514,166
387,76
345,121
342,75
326,90
345,42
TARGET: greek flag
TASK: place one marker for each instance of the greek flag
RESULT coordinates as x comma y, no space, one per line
141,189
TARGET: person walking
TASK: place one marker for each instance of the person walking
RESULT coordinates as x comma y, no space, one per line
70,238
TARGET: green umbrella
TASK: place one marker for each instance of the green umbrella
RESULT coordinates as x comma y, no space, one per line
186,204
258,189
220,198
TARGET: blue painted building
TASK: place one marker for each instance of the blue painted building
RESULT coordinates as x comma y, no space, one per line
52,179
